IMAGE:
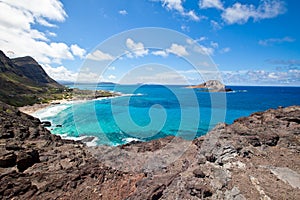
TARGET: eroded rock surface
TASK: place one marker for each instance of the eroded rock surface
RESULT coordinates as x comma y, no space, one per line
254,158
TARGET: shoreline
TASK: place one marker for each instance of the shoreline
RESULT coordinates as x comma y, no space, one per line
30,110
211,164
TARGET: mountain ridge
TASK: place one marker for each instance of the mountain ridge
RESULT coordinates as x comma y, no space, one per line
23,81
31,69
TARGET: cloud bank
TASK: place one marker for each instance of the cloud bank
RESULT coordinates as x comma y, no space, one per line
19,34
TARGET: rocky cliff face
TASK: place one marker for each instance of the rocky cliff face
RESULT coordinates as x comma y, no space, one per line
23,80
32,70
254,158
26,68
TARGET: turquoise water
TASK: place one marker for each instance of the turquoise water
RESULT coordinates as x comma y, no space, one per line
148,112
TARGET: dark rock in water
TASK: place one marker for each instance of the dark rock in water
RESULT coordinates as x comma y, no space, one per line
228,90
46,123
59,125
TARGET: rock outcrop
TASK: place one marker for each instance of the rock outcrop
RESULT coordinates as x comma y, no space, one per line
256,157
212,86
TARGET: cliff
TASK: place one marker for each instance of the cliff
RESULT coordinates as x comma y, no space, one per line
23,81
31,69
257,157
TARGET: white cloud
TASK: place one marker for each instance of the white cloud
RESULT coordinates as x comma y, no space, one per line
51,34
211,4
155,76
177,49
225,50
205,50
177,6
18,35
99,56
137,49
185,28
238,13
192,15
123,12
214,44
50,9
44,22
77,51
191,41
201,39
215,25
160,53
272,41
111,68
112,77
60,73
262,77
241,13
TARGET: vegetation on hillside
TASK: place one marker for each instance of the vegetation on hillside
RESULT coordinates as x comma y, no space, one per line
24,82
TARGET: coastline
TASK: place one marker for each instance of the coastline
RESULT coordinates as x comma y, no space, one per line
30,110
238,160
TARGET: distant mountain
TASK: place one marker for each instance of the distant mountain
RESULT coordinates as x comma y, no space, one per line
23,80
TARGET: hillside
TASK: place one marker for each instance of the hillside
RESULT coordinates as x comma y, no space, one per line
32,70
23,81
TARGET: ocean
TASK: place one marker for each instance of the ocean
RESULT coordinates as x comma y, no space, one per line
147,112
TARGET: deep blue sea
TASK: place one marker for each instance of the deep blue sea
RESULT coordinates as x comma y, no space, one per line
147,112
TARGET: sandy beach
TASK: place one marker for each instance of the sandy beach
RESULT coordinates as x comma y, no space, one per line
36,107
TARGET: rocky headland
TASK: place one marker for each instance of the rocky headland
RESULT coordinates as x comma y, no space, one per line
24,82
256,157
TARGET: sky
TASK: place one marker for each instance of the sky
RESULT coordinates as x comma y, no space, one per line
246,42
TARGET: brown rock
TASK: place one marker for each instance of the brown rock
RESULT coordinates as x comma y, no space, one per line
199,173
26,159
7,159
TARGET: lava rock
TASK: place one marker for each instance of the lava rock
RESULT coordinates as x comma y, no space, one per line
8,159
27,159
199,173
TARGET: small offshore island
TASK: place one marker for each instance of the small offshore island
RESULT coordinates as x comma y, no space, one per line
256,157
211,86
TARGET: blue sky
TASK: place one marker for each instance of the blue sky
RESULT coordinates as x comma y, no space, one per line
251,42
